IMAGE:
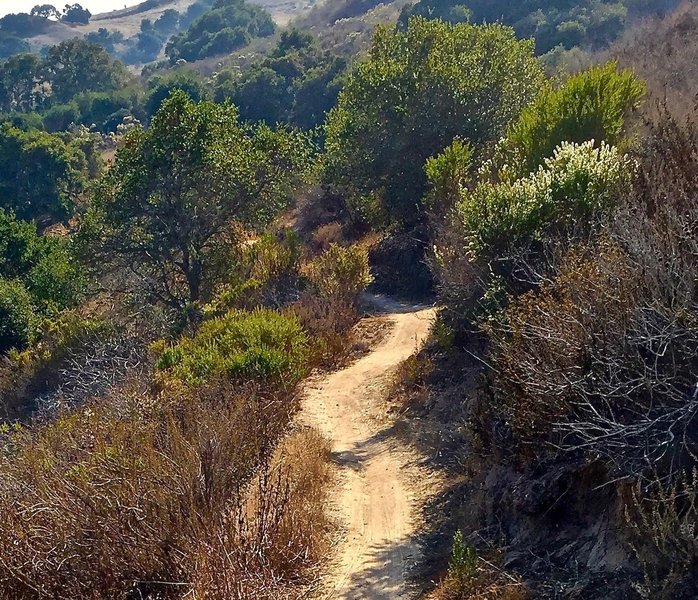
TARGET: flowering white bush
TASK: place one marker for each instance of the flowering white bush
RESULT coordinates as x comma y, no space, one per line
577,181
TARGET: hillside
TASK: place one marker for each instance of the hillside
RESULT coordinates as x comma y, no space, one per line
374,305
128,21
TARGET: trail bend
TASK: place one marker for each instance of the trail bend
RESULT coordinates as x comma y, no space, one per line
376,500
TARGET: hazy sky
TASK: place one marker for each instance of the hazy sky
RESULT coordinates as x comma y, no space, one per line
95,6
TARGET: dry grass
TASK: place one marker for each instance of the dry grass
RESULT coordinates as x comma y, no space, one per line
409,385
326,235
328,324
664,52
167,495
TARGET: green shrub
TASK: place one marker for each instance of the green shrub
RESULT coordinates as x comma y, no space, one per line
464,560
340,274
592,105
45,265
261,272
418,91
57,280
578,180
17,319
262,344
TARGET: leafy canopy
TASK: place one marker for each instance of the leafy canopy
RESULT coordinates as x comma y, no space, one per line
169,204
296,83
40,174
80,66
39,276
553,23
230,24
418,91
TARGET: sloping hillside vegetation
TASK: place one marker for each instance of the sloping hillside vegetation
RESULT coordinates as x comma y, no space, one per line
228,25
589,24
178,254
663,51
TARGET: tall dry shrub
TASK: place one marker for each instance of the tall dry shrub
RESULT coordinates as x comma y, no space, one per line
603,358
139,495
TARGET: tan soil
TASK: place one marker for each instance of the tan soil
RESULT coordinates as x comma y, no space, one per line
379,490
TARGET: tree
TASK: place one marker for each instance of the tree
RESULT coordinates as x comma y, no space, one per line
40,174
160,88
22,25
418,91
45,11
262,94
167,206
105,38
148,46
75,13
77,66
167,22
20,80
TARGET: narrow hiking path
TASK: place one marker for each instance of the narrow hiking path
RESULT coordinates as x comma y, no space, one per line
376,497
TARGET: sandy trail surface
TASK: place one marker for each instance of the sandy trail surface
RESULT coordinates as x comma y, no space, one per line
377,499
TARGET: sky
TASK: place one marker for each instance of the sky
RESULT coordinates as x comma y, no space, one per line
94,6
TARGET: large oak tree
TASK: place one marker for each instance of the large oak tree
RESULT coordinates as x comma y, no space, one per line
168,206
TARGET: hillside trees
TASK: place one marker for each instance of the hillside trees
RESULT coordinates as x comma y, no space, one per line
161,86
76,14
418,91
230,24
20,80
168,206
40,174
46,11
11,45
589,23
80,66
296,83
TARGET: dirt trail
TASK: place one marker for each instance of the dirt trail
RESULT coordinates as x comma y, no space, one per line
376,497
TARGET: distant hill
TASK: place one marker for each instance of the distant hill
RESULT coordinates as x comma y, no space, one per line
126,23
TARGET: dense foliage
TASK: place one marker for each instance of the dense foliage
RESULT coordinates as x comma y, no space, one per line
296,83
591,23
28,82
591,105
228,25
171,269
564,193
418,91
168,205
40,174
261,345
39,277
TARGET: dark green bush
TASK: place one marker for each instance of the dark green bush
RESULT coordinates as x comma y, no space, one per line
230,24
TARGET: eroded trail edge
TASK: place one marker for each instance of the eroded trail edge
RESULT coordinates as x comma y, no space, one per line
377,498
